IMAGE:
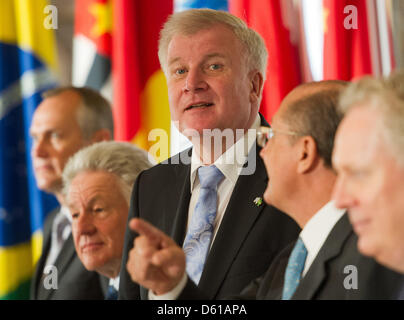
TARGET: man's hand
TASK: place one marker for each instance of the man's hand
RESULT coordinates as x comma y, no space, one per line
156,262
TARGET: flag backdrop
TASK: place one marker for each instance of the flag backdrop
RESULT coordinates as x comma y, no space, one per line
116,43
346,39
272,20
92,45
27,53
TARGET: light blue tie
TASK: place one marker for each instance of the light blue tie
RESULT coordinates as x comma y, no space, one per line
294,269
200,230
112,293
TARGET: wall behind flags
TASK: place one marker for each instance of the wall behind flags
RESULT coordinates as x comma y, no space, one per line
111,45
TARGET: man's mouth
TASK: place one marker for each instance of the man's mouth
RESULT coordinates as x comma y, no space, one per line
91,246
199,105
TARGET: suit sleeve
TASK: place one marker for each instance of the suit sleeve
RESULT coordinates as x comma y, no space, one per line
129,290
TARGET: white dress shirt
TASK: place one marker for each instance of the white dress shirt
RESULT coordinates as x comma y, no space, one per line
317,229
115,282
230,164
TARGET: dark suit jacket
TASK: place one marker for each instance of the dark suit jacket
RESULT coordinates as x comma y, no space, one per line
74,281
326,276
249,237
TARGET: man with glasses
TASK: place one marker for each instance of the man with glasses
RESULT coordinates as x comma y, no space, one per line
324,262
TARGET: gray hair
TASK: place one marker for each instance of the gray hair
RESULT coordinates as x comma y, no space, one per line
95,112
122,159
386,96
192,21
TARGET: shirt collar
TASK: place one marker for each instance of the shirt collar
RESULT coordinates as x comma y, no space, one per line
66,212
317,229
231,162
115,283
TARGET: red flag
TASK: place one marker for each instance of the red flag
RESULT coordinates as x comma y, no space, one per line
270,19
346,39
137,77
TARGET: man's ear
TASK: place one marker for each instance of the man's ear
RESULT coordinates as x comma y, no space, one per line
308,154
101,135
257,82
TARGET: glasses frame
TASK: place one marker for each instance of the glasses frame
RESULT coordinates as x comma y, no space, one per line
264,134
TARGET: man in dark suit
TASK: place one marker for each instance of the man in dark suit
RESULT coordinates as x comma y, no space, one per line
97,185
333,268
324,262
67,120
370,182
215,68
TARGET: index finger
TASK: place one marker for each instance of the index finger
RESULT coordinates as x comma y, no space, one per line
144,228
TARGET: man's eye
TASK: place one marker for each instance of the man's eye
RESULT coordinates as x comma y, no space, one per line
75,215
215,66
55,135
180,71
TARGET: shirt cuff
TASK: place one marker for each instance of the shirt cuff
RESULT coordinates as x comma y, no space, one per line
173,294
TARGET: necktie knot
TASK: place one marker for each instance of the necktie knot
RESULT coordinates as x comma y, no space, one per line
294,269
60,228
112,293
209,177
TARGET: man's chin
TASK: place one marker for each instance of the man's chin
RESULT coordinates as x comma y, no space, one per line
49,186
365,247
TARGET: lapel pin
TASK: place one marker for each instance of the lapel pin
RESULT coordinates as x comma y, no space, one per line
258,201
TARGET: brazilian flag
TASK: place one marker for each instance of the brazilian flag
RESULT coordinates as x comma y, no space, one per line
27,60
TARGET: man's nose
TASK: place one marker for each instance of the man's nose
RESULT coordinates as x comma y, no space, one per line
341,195
84,224
40,148
195,81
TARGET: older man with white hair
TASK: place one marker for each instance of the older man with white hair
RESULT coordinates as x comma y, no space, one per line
98,182
369,159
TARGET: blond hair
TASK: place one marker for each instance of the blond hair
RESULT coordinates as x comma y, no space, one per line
192,21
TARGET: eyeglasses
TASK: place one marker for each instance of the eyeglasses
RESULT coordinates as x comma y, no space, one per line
264,134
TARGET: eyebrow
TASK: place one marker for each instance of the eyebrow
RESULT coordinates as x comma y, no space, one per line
90,203
207,57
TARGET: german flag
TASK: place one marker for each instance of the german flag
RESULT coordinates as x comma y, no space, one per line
116,44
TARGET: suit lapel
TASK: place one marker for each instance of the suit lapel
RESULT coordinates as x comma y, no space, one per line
230,237
317,274
178,223
62,263
45,251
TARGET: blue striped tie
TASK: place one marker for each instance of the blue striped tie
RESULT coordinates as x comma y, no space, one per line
200,230
294,269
